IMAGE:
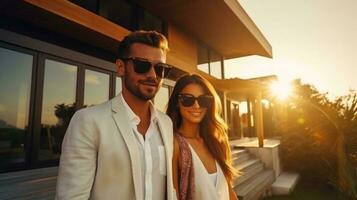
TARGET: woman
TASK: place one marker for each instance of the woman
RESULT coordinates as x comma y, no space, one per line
202,166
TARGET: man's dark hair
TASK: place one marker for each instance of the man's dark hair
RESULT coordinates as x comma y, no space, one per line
151,38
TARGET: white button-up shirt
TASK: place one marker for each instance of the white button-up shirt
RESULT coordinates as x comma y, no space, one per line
152,154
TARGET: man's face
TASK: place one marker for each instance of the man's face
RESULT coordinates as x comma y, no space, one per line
143,85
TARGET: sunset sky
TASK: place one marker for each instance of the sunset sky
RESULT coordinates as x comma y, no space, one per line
313,40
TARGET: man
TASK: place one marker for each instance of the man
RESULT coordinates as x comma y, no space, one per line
122,149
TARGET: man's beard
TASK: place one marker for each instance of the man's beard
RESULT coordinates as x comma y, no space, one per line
136,91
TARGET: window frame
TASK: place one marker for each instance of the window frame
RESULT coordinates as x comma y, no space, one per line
40,51
29,132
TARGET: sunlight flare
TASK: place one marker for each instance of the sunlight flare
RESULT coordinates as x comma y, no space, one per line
281,89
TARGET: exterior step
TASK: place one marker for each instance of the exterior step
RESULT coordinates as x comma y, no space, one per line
29,184
7,178
248,173
285,183
255,186
236,152
239,156
246,164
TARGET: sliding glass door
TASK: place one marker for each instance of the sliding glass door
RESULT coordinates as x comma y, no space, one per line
39,93
16,71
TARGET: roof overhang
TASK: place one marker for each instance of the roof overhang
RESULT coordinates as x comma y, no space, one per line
235,89
68,19
239,89
221,24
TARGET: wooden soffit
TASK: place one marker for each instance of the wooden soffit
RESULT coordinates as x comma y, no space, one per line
235,88
69,19
221,24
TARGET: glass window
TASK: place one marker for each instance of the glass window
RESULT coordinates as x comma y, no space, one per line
90,5
202,58
15,88
150,22
118,11
118,86
96,88
215,65
59,92
162,98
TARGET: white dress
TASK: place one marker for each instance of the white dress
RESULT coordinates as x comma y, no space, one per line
205,188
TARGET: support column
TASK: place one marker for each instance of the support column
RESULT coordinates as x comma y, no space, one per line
249,119
258,115
224,106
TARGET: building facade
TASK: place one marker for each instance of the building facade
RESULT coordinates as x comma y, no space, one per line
58,56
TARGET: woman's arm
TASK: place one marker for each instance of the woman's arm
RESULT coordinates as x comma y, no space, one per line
175,167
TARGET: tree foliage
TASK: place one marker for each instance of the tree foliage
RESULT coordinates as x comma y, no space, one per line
319,137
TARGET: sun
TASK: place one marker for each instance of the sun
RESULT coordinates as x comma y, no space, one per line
281,89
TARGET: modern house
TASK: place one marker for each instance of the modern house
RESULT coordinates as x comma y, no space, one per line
58,56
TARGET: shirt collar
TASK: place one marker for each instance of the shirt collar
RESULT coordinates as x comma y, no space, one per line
133,118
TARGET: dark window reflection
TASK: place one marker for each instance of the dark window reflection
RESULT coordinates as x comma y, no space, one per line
15,88
118,11
148,21
96,88
59,94
91,5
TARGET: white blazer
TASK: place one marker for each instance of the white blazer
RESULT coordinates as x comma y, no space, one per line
100,159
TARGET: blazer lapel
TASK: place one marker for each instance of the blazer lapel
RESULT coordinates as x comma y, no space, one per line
123,124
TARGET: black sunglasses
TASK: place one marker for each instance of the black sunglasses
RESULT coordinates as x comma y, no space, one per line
142,66
188,100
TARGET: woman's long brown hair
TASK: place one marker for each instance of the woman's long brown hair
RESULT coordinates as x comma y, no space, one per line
213,129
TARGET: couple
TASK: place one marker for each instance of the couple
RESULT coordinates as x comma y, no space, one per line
126,149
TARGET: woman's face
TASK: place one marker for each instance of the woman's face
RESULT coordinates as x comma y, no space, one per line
193,112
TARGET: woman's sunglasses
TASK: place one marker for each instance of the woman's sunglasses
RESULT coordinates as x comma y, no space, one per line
188,100
142,66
